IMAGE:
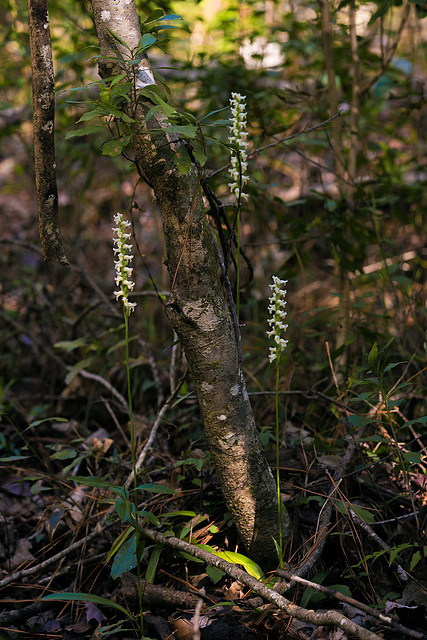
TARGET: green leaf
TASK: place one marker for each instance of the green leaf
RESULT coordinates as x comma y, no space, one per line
311,594
415,560
90,115
150,517
153,17
117,79
125,558
249,565
124,509
70,345
214,573
392,365
150,574
65,454
185,130
383,7
200,157
363,514
170,16
341,588
171,514
36,423
373,359
182,160
84,131
373,438
146,41
118,38
415,421
211,113
115,147
157,488
152,112
358,421
152,94
414,457
221,123
93,481
14,458
87,597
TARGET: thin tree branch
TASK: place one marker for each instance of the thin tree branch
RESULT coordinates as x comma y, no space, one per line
331,618
374,613
305,129
43,81
391,50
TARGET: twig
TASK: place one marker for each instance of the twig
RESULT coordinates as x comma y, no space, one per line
106,384
326,512
304,129
154,429
331,618
196,620
391,50
116,422
374,613
54,559
379,541
43,82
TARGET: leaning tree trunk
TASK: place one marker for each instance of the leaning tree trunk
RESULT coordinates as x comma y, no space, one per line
197,308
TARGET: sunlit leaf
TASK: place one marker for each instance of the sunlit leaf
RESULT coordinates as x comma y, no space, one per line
87,597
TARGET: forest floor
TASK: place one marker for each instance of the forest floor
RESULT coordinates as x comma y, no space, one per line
356,491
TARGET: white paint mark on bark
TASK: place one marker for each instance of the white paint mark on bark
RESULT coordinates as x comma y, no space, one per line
48,126
50,201
144,77
105,15
222,417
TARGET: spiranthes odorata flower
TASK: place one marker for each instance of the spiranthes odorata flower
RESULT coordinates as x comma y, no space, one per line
277,320
239,163
123,277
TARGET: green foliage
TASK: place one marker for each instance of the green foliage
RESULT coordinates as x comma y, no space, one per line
295,223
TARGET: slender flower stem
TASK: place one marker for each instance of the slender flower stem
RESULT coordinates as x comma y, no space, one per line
237,170
276,321
279,497
135,481
124,282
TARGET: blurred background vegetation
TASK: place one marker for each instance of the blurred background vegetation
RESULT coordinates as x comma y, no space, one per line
301,222
339,211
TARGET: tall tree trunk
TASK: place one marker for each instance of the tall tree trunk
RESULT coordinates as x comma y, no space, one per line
197,308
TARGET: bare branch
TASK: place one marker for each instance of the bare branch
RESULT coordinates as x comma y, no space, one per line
331,618
44,131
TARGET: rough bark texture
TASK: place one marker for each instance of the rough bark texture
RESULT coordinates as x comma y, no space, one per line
200,316
44,131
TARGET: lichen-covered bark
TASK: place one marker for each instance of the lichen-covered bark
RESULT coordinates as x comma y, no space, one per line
44,131
200,316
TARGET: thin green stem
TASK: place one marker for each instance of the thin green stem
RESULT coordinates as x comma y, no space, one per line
279,497
135,482
238,264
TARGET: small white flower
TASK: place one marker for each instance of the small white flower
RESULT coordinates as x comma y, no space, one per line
123,270
278,314
238,124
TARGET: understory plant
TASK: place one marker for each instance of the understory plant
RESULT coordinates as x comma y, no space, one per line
277,328
237,170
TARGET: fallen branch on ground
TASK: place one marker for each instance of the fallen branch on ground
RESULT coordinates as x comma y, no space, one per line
331,618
